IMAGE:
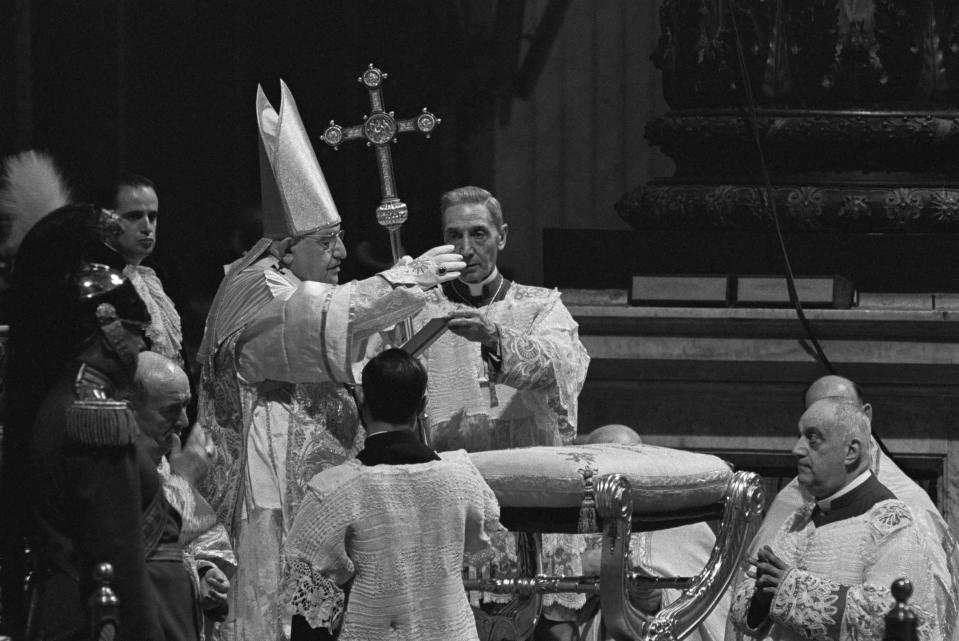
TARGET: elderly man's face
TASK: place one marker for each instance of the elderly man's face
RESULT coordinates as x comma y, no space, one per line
821,451
470,229
318,256
137,209
161,412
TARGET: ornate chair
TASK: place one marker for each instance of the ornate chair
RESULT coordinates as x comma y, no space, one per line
615,490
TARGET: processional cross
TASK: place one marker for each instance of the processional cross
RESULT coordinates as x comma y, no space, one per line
380,129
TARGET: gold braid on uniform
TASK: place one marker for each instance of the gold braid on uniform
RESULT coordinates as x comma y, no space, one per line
101,423
93,418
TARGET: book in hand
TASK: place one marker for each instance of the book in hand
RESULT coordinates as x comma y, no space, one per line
426,336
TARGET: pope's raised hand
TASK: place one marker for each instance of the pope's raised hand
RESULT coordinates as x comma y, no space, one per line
441,262
435,266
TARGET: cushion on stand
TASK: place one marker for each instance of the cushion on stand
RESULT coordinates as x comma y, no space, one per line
663,480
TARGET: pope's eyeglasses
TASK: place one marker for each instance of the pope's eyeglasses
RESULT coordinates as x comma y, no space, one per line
329,242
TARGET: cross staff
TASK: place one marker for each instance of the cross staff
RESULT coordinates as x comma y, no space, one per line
379,129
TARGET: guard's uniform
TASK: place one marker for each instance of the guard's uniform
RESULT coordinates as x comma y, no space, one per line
98,498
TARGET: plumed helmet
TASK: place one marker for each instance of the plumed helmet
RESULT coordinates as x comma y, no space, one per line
55,292
97,284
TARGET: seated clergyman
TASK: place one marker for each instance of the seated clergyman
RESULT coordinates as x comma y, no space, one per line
827,573
396,522
942,549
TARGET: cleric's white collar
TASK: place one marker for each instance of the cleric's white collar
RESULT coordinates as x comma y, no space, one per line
476,289
826,503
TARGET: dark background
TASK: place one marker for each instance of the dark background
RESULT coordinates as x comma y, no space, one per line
167,90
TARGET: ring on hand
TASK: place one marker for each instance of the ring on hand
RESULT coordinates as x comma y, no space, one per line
441,269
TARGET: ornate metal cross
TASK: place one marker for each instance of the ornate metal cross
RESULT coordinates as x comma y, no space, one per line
380,129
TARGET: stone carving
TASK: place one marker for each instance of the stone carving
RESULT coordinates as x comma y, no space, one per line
721,142
876,208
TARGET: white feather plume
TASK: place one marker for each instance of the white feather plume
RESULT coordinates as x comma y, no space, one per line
32,188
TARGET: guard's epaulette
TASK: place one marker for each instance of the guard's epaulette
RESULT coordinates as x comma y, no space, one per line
103,423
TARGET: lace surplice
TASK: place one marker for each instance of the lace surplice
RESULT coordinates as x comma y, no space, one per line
837,587
407,585
943,555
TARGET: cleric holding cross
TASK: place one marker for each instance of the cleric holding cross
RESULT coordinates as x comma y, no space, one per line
278,352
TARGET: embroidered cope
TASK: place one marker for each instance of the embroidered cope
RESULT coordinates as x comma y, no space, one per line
399,532
837,587
276,356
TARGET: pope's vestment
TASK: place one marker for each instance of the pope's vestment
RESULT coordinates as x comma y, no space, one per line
277,355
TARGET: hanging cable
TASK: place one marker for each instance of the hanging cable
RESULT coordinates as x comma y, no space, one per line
766,195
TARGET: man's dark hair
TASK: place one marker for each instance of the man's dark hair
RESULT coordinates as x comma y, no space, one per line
471,195
394,386
130,179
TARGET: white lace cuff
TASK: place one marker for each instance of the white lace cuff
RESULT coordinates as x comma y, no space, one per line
811,606
313,595
526,362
